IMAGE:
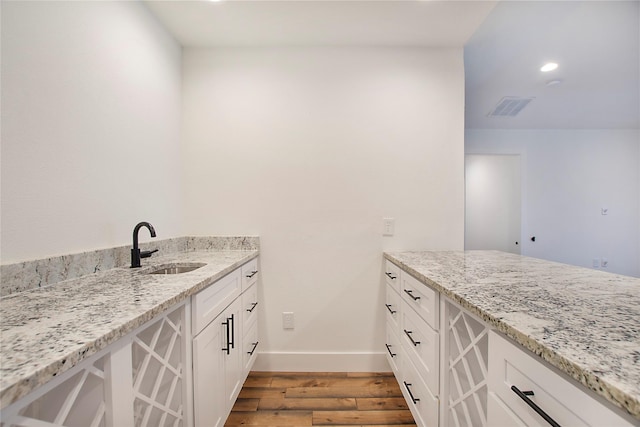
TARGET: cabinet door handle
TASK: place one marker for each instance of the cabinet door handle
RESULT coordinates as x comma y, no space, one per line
390,275
389,308
233,339
410,293
389,350
250,275
253,306
228,347
255,345
524,395
413,399
408,333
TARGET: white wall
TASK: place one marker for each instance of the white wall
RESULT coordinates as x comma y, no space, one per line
567,177
90,127
310,148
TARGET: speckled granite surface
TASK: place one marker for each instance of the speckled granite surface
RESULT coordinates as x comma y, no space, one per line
584,322
46,331
27,275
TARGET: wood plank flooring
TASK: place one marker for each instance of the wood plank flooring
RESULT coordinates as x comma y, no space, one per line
320,399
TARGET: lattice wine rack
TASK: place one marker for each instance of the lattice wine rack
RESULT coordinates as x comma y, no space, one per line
138,381
467,365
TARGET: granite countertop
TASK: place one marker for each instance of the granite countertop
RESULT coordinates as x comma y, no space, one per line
584,322
46,331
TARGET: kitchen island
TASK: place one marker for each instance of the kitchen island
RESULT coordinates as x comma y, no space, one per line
584,323
48,331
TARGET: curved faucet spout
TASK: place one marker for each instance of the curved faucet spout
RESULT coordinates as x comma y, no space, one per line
135,252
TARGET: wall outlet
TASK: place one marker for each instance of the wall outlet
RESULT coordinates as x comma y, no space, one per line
596,263
287,320
388,226
604,211
604,263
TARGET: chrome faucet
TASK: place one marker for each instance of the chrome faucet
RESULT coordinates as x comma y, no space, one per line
136,254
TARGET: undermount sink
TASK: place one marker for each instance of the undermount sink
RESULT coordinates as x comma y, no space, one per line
175,268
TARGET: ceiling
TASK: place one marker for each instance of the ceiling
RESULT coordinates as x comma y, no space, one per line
312,23
595,43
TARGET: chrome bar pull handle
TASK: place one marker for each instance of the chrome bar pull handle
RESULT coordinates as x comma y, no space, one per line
390,309
250,275
253,306
390,275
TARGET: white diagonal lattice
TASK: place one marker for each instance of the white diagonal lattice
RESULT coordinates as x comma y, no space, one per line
467,369
158,373
78,401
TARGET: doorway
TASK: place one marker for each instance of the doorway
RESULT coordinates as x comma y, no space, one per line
492,202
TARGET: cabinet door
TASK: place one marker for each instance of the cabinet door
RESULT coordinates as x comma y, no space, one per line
233,358
392,275
249,274
208,374
519,380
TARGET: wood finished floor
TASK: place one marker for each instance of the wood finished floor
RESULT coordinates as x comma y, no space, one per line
320,399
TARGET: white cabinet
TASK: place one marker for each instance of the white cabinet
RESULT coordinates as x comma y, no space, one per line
140,380
208,376
225,342
183,368
454,371
412,342
249,328
524,391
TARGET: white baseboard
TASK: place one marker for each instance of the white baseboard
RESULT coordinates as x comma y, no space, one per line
321,362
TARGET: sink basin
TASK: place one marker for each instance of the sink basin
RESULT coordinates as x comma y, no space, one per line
175,268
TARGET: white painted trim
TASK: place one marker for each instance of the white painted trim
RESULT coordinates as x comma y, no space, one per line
321,362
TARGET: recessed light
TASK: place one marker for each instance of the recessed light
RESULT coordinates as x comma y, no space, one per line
549,66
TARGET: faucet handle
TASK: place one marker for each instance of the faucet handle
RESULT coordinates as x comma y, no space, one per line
147,254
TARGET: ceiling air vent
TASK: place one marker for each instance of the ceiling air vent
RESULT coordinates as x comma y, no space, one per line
509,106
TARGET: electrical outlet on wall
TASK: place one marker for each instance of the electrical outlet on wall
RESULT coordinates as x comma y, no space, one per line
388,226
604,263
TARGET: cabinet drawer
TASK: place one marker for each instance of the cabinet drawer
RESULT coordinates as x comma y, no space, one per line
563,401
422,298
249,348
394,350
392,275
423,405
392,308
249,273
249,307
422,346
210,302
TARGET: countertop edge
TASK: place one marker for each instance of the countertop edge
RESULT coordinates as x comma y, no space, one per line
584,376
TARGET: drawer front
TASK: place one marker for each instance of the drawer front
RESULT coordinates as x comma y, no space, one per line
423,405
392,308
392,275
250,348
565,402
422,298
422,346
394,350
249,273
249,307
210,302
